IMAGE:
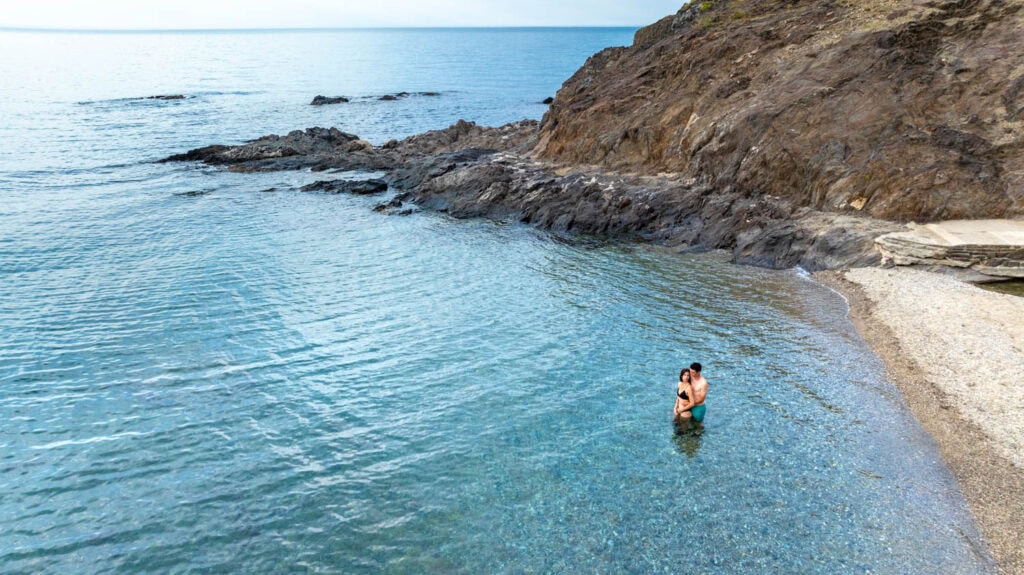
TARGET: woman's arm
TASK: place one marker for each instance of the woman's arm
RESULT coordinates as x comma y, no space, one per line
675,407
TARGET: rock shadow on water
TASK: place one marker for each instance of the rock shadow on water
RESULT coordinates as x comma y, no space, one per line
194,193
583,241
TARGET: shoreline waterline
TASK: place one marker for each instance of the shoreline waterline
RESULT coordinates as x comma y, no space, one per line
991,484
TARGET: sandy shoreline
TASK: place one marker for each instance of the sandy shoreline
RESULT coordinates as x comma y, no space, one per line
956,353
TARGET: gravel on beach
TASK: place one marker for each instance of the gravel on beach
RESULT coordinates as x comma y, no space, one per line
968,342
956,353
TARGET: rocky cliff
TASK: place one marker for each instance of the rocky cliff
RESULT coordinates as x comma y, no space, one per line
899,109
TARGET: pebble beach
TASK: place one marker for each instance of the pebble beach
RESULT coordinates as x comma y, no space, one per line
956,352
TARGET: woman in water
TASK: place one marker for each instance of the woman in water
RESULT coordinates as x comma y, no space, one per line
684,394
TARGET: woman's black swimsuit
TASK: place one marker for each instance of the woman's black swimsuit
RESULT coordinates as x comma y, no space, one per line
682,395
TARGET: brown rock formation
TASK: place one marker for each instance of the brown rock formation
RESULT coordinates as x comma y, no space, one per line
899,109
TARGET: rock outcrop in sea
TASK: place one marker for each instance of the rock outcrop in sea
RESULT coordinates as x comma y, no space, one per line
328,100
468,171
789,132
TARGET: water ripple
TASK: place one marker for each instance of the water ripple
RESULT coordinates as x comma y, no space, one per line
250,382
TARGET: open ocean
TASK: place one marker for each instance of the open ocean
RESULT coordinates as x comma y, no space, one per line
199,376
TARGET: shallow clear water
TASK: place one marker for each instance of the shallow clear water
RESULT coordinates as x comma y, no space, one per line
248,381
1012,287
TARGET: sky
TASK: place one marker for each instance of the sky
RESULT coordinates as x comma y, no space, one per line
244,14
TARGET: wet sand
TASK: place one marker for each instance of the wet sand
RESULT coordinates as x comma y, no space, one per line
956,353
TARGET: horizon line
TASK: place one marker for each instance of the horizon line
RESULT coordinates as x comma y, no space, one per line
294,29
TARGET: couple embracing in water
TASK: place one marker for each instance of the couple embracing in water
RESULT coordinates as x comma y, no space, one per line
690,394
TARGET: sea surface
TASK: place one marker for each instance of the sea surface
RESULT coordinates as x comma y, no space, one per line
197,375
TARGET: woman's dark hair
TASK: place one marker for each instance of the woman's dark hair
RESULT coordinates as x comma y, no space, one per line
685,371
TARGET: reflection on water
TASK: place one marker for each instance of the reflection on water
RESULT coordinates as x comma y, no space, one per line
687,437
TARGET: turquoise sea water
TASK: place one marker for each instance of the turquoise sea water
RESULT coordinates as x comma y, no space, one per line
196,375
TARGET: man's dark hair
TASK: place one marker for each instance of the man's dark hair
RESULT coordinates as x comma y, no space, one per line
695,367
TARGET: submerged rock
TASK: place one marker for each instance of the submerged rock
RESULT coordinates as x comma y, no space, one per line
392,207
166,97
385,206
402,95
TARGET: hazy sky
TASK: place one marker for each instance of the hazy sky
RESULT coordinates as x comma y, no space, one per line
190,14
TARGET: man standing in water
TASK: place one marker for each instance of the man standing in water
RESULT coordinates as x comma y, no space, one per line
699,387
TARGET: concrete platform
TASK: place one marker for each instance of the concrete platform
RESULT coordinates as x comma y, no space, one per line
990,247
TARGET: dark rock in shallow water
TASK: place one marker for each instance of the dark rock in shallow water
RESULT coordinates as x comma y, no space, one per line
548,100
167,97
324,100
300,149
394,203
208,154
365,187
401,95
325,149
664,210
214,155
388,207
473,171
